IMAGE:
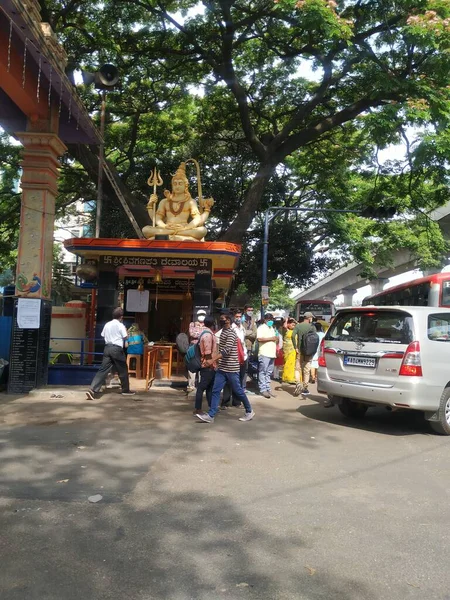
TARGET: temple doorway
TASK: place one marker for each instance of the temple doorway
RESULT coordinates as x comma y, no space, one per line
165,320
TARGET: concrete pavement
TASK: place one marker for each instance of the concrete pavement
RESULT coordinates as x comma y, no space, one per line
297,504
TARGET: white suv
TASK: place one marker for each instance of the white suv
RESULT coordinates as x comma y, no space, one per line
397,356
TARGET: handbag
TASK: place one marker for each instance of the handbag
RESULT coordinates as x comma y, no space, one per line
241,356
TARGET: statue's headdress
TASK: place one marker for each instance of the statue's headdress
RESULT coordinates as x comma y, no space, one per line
180,173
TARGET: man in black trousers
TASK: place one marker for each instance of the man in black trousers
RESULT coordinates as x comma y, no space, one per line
115,335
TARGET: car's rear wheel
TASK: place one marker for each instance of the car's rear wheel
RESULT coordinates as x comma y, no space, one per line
352,409
442,425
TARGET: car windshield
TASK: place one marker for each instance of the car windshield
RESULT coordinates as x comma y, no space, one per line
390,327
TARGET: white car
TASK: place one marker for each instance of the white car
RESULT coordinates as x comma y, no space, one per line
396,356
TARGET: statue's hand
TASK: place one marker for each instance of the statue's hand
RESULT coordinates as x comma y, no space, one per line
152,200
207,203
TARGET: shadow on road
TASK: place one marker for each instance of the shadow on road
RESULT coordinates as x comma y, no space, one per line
377,419
182,546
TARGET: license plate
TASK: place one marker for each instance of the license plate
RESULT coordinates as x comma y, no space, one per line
359,361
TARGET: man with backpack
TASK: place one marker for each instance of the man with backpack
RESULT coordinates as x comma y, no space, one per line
305,341
195,329
207,348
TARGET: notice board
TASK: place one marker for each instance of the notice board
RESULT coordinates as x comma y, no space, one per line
28,360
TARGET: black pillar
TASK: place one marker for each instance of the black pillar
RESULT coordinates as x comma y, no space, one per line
203,289
107,297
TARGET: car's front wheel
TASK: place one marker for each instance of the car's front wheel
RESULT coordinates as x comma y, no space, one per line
442,425
352,409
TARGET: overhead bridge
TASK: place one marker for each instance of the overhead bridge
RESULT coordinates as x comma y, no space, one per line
348,280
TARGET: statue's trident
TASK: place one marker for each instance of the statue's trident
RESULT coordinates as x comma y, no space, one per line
154,180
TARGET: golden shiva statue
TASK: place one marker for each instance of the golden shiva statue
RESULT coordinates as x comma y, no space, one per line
174,211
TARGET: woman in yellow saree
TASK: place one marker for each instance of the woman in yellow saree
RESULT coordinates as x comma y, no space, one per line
289,353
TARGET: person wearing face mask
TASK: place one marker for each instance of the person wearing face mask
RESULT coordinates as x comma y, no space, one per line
238,327
267,339
227,372
249,325
195,330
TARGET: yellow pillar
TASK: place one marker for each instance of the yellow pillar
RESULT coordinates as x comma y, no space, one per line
39,188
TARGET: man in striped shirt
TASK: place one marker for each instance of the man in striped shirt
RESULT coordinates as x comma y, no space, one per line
228,369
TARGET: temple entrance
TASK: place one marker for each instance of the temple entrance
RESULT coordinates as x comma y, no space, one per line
165,320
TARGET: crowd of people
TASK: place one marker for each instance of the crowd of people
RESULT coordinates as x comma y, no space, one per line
271,349
236,349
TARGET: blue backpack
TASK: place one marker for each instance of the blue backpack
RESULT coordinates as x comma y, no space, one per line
193,357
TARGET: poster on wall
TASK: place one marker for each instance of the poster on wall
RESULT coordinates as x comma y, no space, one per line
137,301
29,313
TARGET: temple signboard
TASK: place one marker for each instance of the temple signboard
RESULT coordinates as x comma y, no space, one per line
167,285
110,262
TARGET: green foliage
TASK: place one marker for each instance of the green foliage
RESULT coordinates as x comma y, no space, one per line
279,296
6,278
61,282
284,103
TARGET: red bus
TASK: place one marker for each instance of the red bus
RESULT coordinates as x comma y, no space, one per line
321,309
433,290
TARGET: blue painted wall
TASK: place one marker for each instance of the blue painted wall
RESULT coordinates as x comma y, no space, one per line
5,336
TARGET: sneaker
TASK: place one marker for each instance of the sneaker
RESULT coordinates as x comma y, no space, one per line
305,392
250,393
265,394
129,393
248,416
298,389
190,389
328,403
90,395
205,418
224,407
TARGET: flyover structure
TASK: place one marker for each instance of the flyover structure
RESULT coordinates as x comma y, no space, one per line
348,279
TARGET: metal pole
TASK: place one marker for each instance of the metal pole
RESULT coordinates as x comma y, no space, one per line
101,159
265,257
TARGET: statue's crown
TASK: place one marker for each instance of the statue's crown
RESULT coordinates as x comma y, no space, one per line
180,173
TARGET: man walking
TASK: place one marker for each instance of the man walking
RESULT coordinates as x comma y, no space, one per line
115,336
195,330
303,361
208,349
240,333
227,371
267,351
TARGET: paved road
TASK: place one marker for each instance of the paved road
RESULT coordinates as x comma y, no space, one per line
297,504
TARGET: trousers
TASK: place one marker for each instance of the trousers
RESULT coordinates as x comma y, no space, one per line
303,367
205,384
265,371
113,356
223,377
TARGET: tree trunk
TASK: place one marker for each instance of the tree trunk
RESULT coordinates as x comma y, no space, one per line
89,160
242,222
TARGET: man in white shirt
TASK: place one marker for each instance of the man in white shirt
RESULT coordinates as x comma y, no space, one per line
115,335
267,350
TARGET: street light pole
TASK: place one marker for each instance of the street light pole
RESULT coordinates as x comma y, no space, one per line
101,159
267,220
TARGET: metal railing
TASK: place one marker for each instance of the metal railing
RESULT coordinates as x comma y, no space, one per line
83,353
